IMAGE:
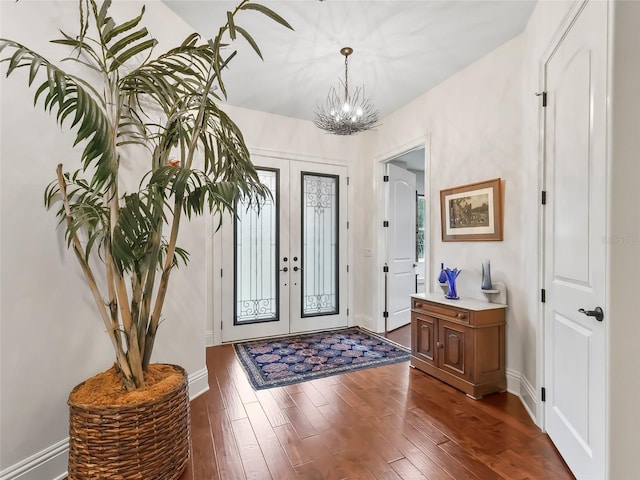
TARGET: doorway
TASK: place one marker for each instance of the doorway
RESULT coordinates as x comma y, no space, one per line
405,235
284,262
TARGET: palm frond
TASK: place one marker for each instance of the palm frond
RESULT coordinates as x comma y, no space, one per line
133,233
66,95
268,12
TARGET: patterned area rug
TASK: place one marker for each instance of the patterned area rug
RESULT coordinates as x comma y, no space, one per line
286,360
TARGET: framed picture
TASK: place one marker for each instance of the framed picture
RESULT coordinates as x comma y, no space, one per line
472,212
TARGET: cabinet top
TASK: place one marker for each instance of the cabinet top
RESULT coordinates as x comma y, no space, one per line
466,303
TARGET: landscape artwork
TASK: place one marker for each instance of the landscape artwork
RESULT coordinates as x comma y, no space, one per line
472,212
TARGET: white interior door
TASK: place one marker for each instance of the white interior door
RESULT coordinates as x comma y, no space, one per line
575,182
285,265
401,245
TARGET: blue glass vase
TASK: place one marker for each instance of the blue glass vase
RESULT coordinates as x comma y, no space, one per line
452,294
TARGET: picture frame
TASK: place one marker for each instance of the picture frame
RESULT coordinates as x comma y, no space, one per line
472,212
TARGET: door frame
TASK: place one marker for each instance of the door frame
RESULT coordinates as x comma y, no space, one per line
213,332
424,142
563,29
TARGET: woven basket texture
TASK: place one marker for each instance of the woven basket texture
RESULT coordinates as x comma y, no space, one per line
148,441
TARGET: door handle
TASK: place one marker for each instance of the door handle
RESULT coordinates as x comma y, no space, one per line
285,269
295,269
598,313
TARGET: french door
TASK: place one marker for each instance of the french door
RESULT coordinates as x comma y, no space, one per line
284,262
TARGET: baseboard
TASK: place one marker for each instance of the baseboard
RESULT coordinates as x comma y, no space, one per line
52,460
47,463
514,380
209,338
520,386
198,383
529,399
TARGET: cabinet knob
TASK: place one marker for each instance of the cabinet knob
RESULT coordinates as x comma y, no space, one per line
439,345
462,316
418,305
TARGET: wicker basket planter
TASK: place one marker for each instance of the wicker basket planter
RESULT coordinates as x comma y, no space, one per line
144,441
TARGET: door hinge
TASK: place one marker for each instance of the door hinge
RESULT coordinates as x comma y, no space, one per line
544,98
347,312
385,223
347,181
385,269
543,394
543,295
385,178
544,197
385,314
347,225
221,324
220,273
347,268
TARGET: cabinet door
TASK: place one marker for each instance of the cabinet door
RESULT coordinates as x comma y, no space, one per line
454,352
423,340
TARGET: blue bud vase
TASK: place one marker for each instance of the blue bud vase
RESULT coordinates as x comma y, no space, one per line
486,274
452,294
443,277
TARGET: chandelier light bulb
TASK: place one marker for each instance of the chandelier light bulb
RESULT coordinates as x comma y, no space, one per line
349,113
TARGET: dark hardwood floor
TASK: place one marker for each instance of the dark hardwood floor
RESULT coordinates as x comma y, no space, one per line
390,422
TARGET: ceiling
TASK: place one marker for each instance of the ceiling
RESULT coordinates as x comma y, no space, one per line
401,48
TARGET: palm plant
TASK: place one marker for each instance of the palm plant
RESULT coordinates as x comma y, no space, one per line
164,112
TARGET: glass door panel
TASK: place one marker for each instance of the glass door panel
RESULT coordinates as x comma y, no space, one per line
318,235
320,244
255,277
256,256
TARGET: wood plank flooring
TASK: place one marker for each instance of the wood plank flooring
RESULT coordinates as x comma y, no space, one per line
383,423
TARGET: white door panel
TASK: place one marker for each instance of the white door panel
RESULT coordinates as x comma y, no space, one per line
319,241
575,223
401,245
255,294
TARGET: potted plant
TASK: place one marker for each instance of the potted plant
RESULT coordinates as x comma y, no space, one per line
158,114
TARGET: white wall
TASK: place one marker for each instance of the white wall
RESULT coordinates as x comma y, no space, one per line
474,120
51,335
419,181
624,244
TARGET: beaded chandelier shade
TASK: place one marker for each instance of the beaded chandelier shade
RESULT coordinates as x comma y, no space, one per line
349,114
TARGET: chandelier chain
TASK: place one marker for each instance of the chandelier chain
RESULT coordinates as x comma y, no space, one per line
346,78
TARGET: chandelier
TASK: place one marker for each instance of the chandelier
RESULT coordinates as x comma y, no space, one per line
350,114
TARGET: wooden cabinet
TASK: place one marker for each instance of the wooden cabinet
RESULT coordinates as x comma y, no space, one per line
461,342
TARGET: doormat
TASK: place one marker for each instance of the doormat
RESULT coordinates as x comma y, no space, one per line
285,360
